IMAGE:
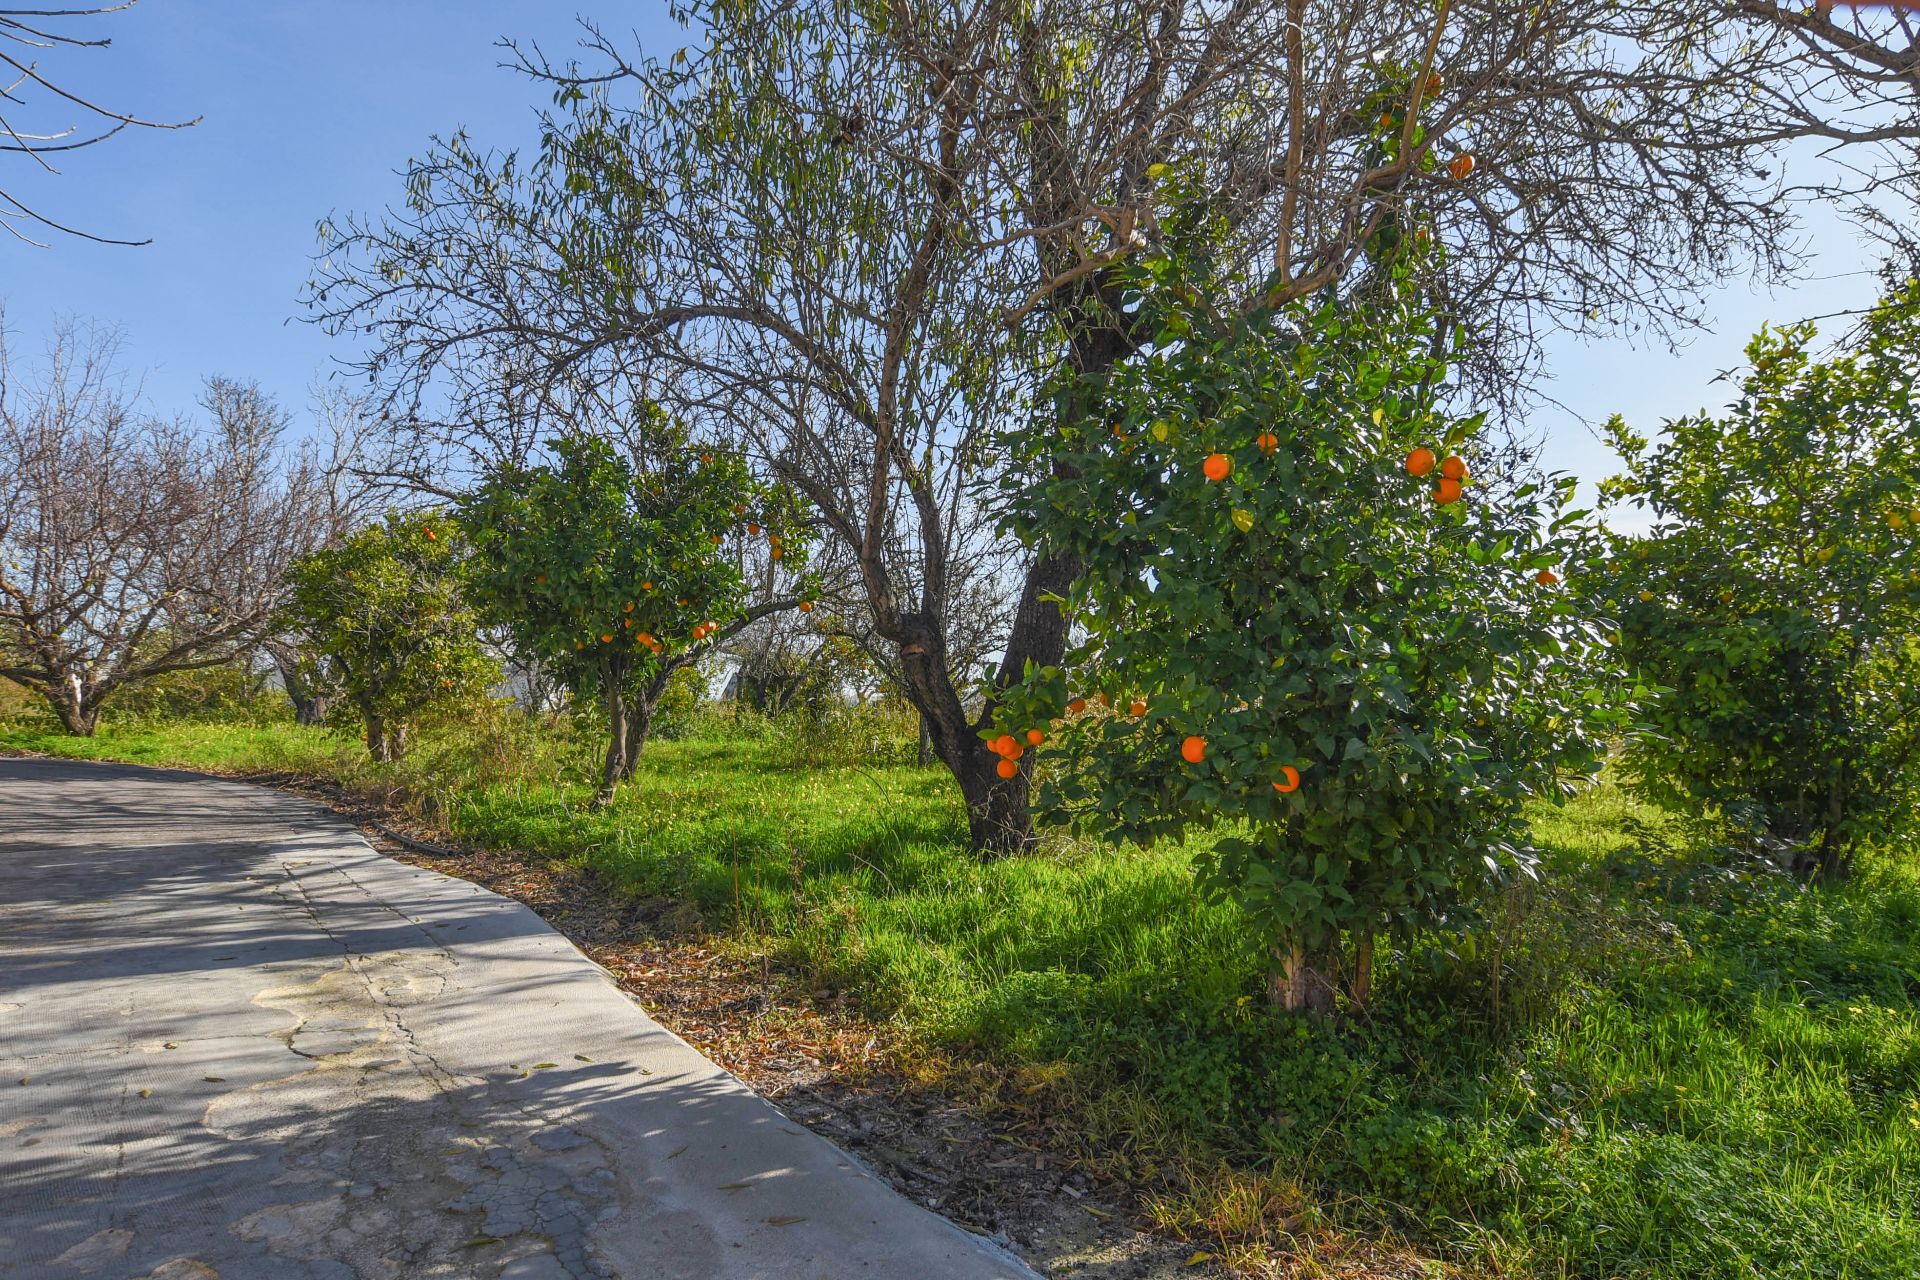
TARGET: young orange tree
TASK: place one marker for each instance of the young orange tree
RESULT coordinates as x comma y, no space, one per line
616,569
390,627
1775,603
1307,627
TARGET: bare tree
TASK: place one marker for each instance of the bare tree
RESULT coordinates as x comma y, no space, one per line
129,546
27,38
862,236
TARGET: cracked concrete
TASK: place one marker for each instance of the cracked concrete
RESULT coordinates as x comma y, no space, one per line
235,1042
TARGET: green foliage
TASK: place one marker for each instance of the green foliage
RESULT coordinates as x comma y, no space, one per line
1776,600
229,691
609,567
386,617
1316,610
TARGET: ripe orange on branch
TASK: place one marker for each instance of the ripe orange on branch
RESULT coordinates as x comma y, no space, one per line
1267,441
1454,468
1138,707
1217,467
1420,461
1289,779
1546,577
1460,166
1035,737
1448,492
1194,749
1006,768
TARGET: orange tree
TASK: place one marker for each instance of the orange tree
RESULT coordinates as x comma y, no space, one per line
1305,626
389,625
616,568
1775,603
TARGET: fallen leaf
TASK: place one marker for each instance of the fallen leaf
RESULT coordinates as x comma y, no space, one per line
172,1044
676,1151
735,1186
786,1220
542,1066
214,1079
581,1057
26,1079
146,1093
1199,1256
478,1242
1098,1213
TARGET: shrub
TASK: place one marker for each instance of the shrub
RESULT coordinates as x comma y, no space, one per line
1358,674
1775,603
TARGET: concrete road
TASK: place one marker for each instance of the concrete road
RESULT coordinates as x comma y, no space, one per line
237,1043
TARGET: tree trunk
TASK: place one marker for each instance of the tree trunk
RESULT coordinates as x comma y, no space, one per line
78,710
639,725
1360,987
1304,982
616,765
377,744
926,743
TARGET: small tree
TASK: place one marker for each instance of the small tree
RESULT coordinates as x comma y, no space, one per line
615,571
1775,603
1357,674
389,625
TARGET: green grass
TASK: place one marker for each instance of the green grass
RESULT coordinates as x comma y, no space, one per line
1645,1067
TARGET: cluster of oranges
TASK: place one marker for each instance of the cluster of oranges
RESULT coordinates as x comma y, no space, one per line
1008,748
1453,473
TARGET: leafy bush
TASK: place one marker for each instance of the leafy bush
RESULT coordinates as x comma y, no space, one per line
1775,603
386,617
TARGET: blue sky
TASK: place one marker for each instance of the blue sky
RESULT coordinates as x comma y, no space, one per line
310,106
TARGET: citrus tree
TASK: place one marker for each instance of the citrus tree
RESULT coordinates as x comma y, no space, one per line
616,568
389,626
1775,603
1306,627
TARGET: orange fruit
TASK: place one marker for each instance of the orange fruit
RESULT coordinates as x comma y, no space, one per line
1546,577
1386,120
1454,468
1218,466
629,608
627,623
1448,492
806,606
1460,166
1420,461
752,527
1434,84
1006,768
1139,707
1289,779
1035,737
431,536
1001,745
1075,707
706,458
1106,699
646,586
777,553
1194,749
1267,441
607,639
682,603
